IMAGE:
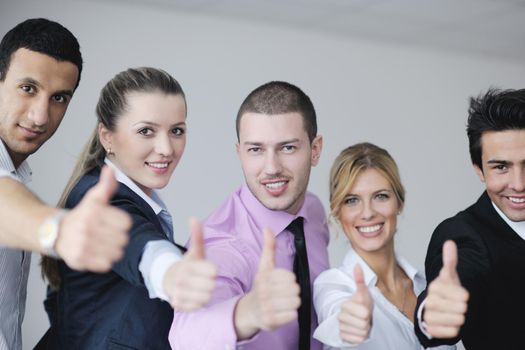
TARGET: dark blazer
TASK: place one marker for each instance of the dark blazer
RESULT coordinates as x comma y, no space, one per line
111,310
491,266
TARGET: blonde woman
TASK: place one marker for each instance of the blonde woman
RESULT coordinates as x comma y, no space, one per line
368,302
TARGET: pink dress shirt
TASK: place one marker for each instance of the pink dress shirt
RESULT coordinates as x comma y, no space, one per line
233,240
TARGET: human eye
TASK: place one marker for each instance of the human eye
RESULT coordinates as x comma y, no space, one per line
500,167
383,196
254,149
60,98
29,89
178,131
350,200
288,148
146,131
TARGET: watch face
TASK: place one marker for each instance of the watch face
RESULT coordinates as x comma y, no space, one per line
48,230
48,233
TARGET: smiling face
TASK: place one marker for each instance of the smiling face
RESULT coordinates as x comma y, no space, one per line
33,100
369,213
149,138
503,162
276,157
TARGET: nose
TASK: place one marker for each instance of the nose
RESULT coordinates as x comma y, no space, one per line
518,180
39,112
368,211
163,146
272,164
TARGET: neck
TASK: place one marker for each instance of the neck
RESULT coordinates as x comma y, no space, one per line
16,158
297,205
384,265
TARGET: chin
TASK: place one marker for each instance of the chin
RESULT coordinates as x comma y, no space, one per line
516,217
26,148
370,247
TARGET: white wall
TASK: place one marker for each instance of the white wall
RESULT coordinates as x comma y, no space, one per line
411,101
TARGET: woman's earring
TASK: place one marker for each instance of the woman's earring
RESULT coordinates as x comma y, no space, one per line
109,153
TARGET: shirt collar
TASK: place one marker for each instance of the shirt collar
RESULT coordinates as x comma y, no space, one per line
351,258
276,220
517,226
154,201
22,173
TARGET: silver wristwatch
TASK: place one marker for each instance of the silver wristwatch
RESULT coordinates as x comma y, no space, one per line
48,233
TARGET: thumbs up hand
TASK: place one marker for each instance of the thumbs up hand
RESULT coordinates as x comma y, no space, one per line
92,236
355,318
446,301
189,282
274,298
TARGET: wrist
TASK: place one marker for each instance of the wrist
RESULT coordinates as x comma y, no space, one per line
168,279
244,318
49,233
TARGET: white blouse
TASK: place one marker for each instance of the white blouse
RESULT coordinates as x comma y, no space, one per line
390,328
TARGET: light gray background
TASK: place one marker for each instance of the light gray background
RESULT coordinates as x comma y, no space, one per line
411,100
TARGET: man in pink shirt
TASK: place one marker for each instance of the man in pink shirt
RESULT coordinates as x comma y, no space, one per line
265,234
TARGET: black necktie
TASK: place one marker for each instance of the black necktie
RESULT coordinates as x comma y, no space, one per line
302,272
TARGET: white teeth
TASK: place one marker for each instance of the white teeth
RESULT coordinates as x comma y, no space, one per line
158,165
275,184
517,200
368,229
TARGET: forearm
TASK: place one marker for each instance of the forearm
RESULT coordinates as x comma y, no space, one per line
21,215
157,258
217,322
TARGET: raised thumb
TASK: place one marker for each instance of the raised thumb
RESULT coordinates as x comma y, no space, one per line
105,188
196,250
267,261
450,261
361,288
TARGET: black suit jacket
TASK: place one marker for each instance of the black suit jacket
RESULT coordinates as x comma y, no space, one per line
111,310
491,266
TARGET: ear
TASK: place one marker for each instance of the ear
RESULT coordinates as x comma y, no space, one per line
317,147
238,149
479,172
400,209
105,136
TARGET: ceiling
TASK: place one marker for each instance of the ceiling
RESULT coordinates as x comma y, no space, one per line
492,28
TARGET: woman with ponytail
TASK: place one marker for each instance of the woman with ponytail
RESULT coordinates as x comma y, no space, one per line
141,134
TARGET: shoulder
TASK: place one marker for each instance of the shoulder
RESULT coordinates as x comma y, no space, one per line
334,277
330,289
315,213
460,228
467,222
123,197
313,202
83,185
471,218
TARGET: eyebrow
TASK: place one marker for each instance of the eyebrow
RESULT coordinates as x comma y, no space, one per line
255,143
375,192
28,80
497,161
504,162
156,124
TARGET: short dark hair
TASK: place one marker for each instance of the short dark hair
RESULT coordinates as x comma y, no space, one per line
43,36
496,110
278,97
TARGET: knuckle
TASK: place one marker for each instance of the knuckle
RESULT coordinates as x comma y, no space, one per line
461,320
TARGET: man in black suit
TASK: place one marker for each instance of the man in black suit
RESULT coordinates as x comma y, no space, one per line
476,259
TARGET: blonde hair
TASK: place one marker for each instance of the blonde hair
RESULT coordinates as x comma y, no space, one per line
354,160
